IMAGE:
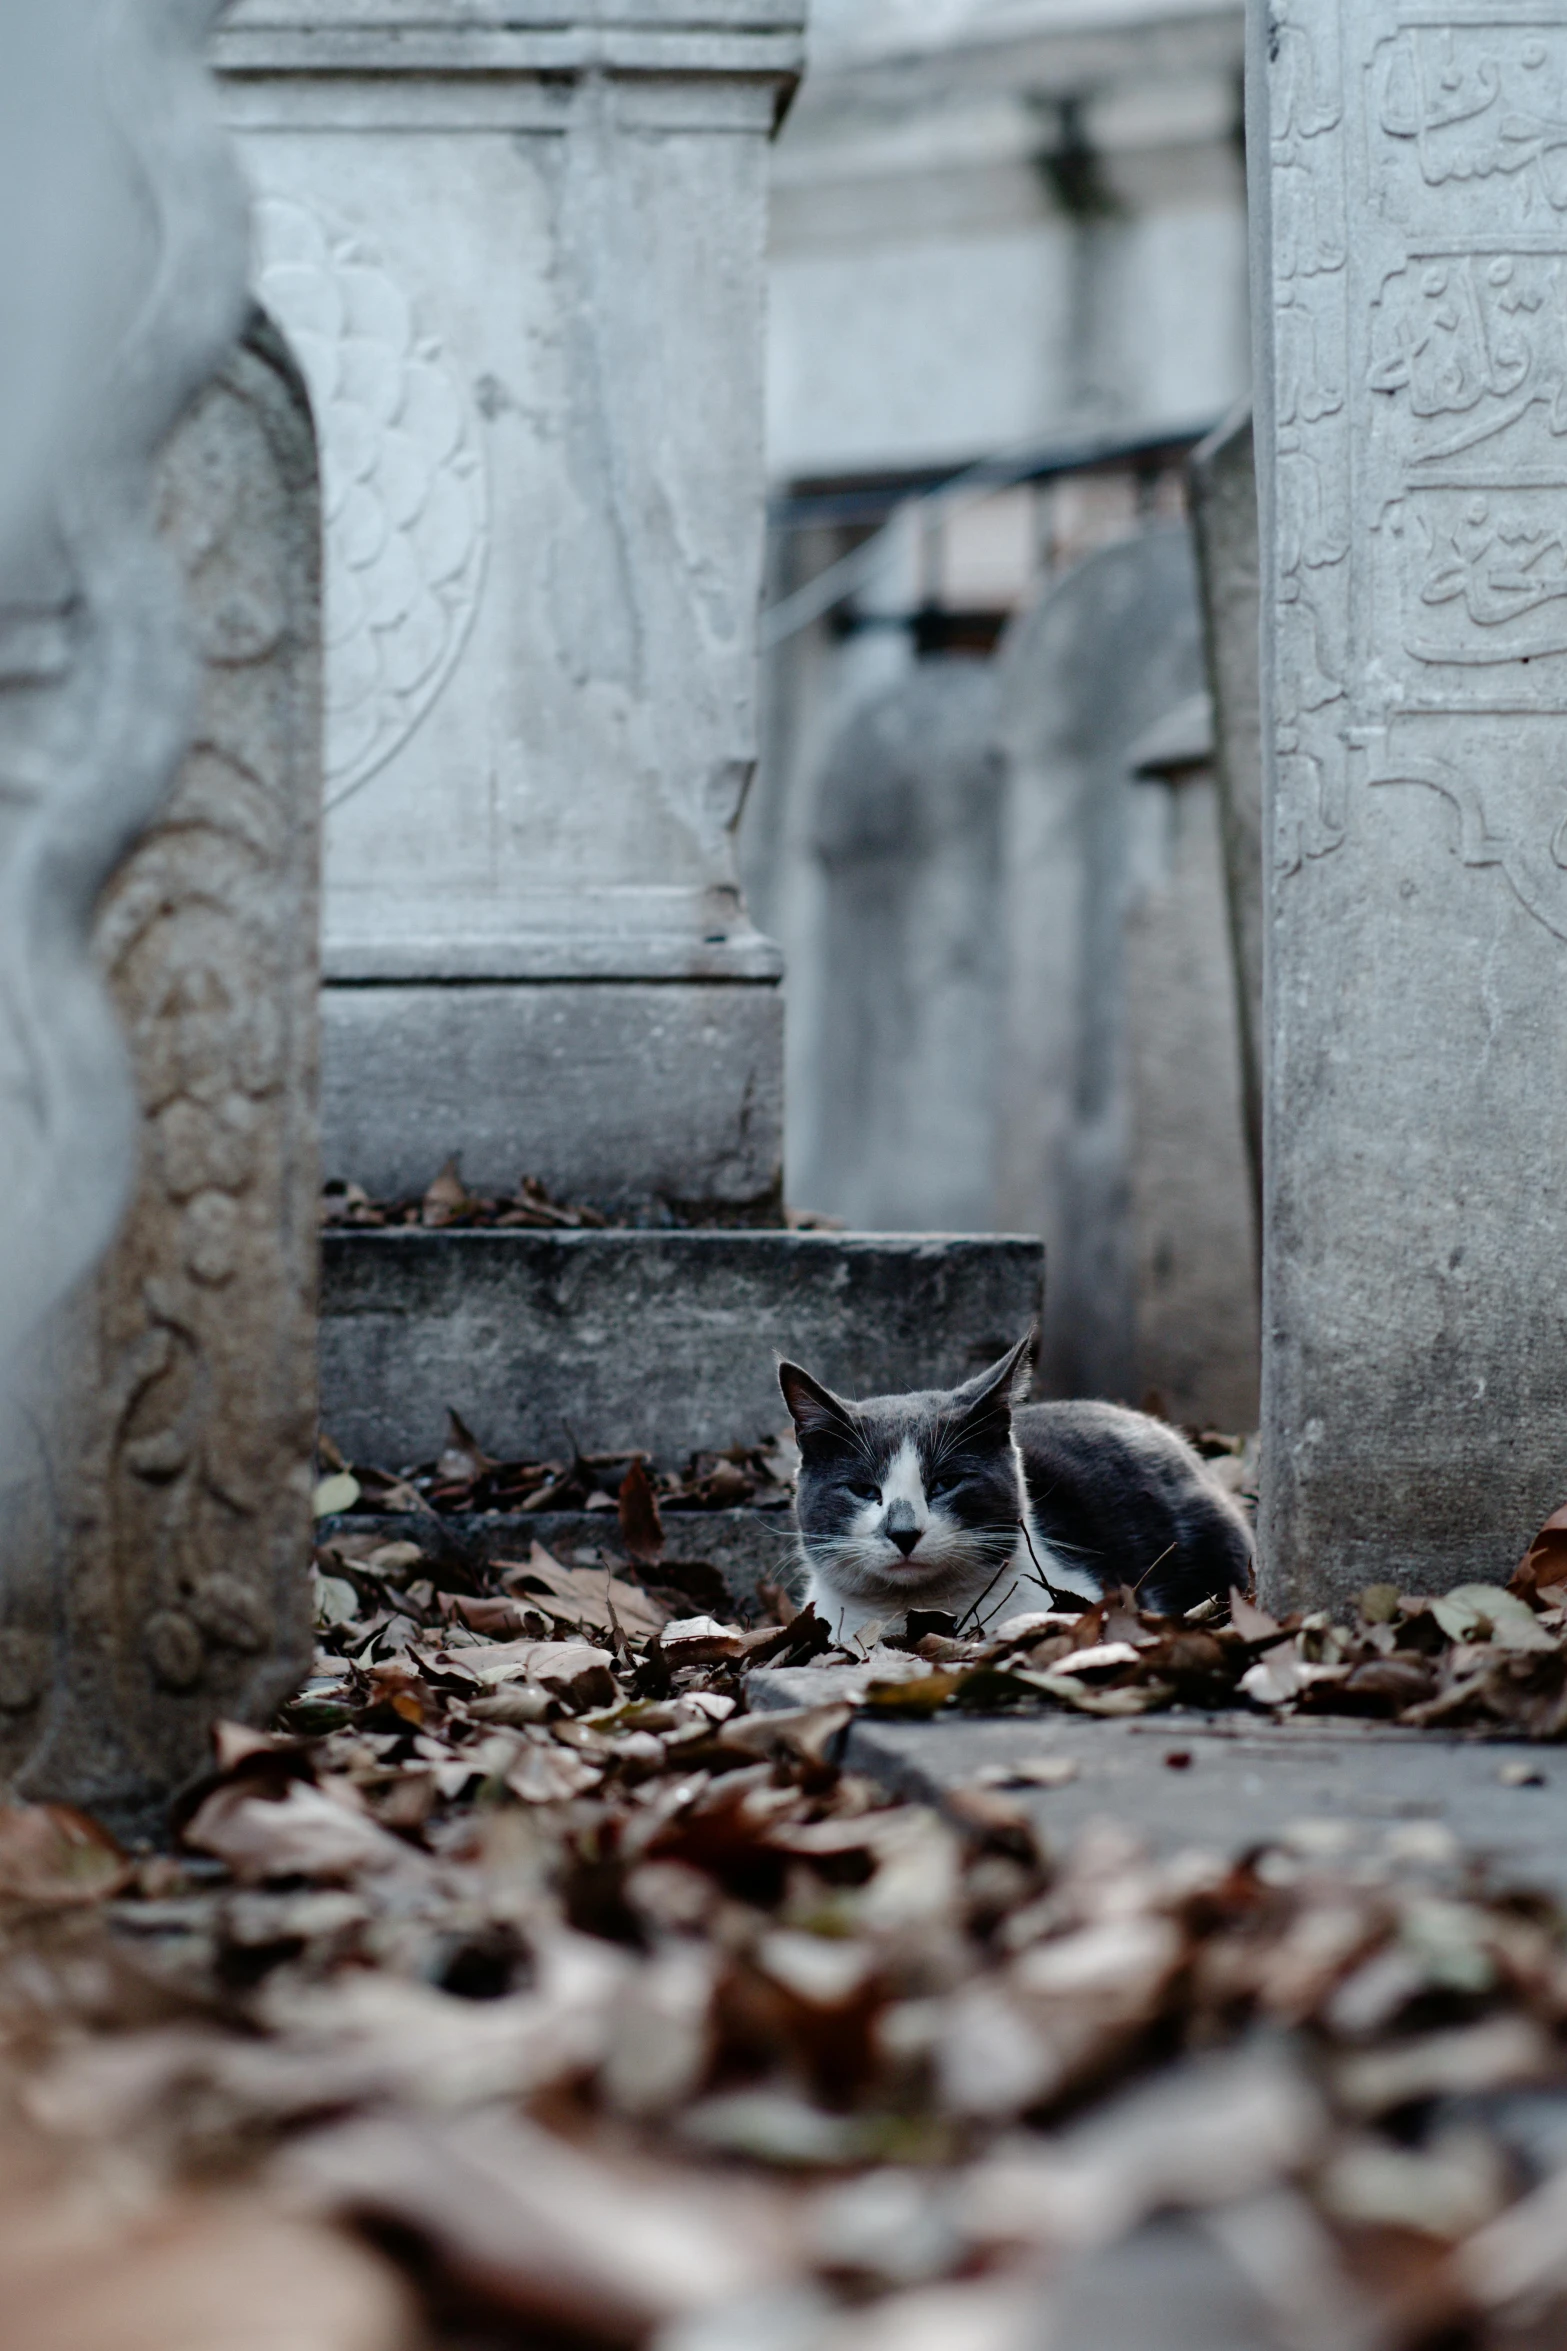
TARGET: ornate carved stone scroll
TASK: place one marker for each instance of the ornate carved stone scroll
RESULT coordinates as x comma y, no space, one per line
182,1401
1411,204
154,1444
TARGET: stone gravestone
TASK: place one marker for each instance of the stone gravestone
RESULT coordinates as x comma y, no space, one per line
1192,1211
1109,651
1410,212
1223,482
907,829
158,1528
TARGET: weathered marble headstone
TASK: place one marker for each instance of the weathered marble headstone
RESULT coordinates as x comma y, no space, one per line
519,255
1222,477
908,831
158,1509
1110,650
1193,1220
1410,211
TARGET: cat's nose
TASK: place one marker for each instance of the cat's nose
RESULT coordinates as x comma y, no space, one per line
901,1528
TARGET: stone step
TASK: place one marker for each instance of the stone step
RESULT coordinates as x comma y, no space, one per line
662,1340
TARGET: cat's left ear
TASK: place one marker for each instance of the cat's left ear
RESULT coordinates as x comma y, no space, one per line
815,1410
991,1395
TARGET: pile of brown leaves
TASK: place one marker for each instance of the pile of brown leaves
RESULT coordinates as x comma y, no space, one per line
463,1477
1479,1657
528,1988
448,1201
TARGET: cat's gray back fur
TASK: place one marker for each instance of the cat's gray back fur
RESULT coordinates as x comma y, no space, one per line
1127,1497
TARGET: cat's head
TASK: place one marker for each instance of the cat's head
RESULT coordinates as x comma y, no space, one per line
909,1501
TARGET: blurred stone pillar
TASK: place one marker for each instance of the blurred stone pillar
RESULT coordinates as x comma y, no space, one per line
121,287
521,265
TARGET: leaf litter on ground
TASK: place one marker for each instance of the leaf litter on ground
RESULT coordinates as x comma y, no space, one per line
524,1986
447,1201
462,1477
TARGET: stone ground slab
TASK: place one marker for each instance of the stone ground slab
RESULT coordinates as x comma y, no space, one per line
1331,1787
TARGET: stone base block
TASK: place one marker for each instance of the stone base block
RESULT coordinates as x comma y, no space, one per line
665,1340
634,1095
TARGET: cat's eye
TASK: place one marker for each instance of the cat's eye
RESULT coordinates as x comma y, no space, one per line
945,1481
863,1490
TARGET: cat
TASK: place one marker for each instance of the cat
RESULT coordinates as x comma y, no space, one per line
970,1501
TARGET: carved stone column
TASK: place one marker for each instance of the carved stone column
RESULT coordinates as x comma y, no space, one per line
519,255
1410,210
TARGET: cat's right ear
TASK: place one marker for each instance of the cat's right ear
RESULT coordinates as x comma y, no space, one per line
994,1394
815,1410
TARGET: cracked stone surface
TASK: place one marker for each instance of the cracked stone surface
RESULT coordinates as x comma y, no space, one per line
1336,1788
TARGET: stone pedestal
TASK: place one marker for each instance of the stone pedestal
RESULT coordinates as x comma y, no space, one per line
1411,223
519,253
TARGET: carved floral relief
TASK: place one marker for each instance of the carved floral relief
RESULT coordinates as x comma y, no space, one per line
406,517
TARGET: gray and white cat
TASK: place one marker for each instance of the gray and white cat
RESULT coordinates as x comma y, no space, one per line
970,1501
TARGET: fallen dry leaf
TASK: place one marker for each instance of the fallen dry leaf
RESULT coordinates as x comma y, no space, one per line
446,1199
1543,1567
584,1596
700,1640
640,1523
628,2016
56,1857
218,2276
548,2234
303,1832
